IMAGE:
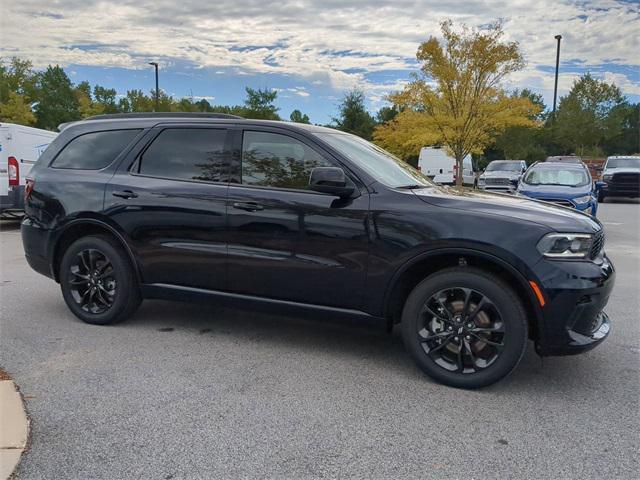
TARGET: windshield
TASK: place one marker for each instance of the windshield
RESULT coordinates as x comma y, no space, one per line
624,163
500,166
551,176
380,164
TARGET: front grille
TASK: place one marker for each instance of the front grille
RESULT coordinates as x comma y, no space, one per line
598,244
497,181
564,203
626,179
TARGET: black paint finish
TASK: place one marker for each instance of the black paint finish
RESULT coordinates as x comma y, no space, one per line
305,250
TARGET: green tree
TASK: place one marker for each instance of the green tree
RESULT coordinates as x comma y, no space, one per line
588,116
57,102
523,142
106,97
17,110
259,104
386,114
353,117
17,76
458,100
628,140
298,117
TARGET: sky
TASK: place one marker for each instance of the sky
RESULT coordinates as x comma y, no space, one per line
311,51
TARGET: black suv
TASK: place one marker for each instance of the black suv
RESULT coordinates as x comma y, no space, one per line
302,218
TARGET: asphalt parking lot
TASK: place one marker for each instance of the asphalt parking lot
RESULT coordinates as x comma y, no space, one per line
189,391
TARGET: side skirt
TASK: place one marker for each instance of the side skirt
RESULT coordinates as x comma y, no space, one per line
268,305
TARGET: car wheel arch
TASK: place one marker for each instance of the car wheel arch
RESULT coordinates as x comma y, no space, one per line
82,227
419,267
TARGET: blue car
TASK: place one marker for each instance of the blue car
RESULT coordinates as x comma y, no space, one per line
566,184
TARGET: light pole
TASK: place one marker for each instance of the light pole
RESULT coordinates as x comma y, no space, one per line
155,64
555,87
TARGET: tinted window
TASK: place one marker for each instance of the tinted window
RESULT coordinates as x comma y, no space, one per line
93,151
623,163
274,160
500,166
380,164
187,154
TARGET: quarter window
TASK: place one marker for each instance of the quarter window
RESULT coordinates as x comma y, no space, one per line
93,151
274,160
187,154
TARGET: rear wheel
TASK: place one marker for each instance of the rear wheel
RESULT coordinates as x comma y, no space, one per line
98,282
464,327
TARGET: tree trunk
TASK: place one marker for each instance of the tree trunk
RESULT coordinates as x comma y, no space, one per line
459,178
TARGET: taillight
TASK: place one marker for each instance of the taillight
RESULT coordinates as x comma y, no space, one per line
14,172
28,188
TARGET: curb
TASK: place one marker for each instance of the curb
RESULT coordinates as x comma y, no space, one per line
14,428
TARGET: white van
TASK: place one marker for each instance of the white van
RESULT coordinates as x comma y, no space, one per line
440,167
20,148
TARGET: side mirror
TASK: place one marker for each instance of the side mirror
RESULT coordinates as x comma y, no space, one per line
599,185
331,180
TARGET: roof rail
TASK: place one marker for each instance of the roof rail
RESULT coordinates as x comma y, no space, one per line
162,115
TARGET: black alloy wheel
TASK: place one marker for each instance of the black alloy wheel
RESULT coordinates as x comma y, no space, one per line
465,327
461,330
98,281
93,283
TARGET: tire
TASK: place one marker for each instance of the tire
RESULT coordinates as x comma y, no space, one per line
601,197
429,331
116,293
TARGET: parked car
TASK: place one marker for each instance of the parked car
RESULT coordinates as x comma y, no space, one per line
620,178
20,147
440,167
502,175
566,184
292,217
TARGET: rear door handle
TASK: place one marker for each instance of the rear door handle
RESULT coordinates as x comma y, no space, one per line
124,194
248,206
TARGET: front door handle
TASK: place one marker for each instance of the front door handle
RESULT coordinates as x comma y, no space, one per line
248,206
124,194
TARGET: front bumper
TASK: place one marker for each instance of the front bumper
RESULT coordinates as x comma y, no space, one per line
615,190
576,293
498,188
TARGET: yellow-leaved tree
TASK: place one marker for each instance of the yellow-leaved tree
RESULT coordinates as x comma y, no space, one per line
457,100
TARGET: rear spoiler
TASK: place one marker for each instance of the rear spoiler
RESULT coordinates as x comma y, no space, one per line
62,126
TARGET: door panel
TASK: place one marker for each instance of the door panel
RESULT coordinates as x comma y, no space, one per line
176,227
291,243
298,246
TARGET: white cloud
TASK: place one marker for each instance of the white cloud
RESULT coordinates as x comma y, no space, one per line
326,42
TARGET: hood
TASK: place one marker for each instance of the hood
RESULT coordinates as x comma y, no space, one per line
560,219
554,191
501,174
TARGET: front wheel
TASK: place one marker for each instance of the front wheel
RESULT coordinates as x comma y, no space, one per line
601,197
464,327
98,281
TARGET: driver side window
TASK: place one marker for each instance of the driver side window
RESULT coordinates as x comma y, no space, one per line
275,160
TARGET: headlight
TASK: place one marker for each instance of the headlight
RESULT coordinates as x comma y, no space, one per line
565,245
607,177
581,200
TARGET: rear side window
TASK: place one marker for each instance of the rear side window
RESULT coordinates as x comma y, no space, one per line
187,154
93,151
